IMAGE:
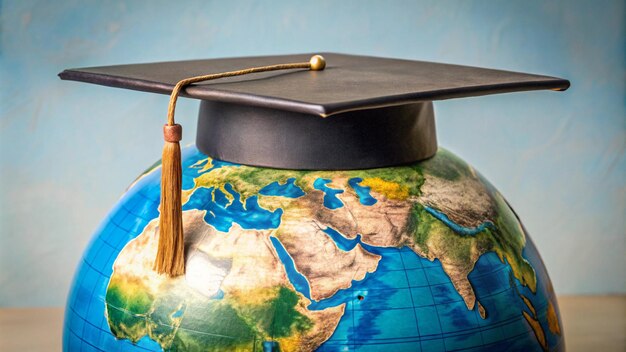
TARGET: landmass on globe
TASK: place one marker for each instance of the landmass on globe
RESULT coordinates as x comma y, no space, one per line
271,253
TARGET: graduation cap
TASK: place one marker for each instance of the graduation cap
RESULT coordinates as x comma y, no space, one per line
301,112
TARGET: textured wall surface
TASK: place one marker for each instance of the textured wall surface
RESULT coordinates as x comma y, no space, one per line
68,150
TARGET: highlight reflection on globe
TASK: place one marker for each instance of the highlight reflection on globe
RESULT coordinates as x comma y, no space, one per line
425,257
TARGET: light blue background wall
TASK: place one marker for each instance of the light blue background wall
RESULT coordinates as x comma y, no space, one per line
68,150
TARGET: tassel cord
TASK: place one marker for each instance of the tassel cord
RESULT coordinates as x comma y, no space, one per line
170,258
187,81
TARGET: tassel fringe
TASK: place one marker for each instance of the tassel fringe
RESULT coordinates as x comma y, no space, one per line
170,259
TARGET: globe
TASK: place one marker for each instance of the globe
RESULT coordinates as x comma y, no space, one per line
422,257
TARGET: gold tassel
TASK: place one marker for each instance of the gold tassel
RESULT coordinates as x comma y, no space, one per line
170,258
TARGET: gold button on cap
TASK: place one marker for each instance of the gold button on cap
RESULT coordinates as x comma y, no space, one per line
317,62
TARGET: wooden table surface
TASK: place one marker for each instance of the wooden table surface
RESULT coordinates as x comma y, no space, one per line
591,323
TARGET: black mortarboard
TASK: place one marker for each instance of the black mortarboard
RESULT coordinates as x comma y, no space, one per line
377,110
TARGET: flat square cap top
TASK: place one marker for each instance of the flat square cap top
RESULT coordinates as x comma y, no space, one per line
348,82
